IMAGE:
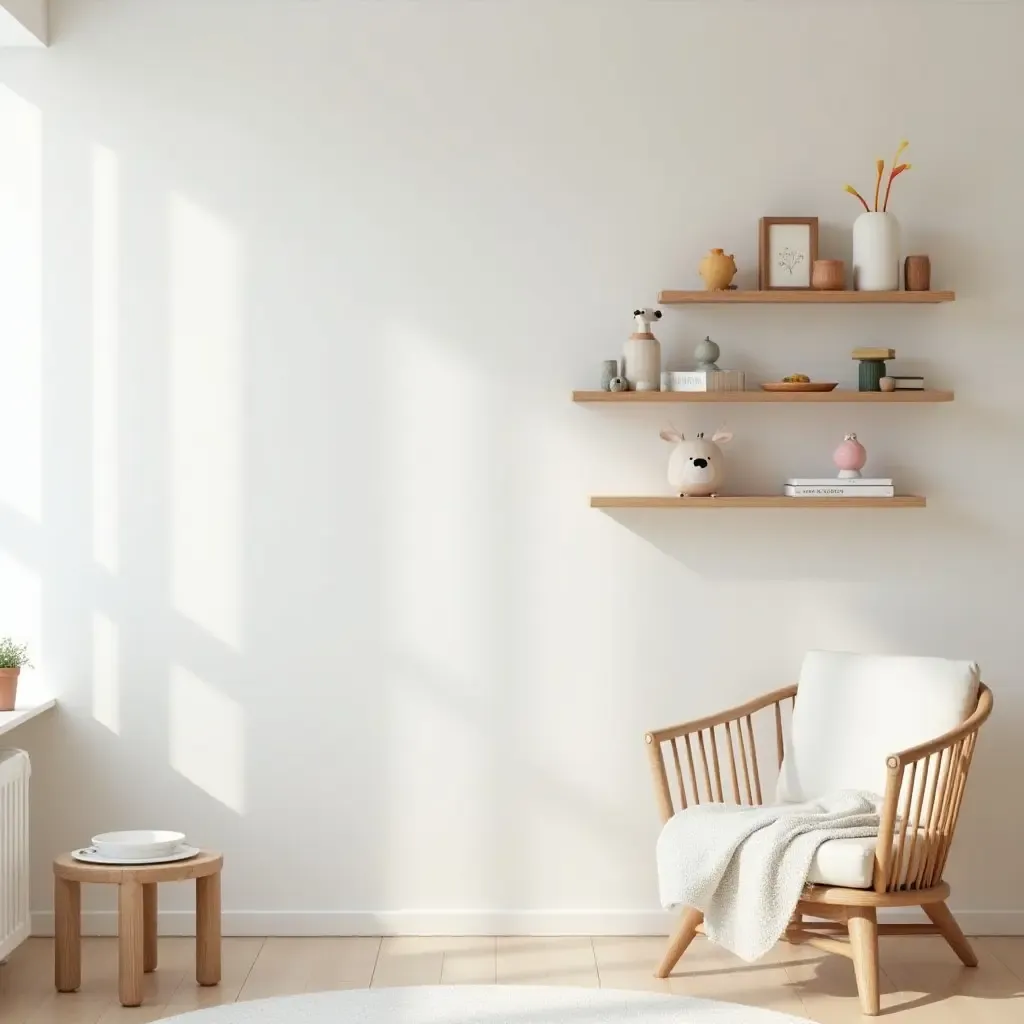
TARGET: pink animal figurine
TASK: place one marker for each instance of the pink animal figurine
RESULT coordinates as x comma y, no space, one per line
696,469
850,457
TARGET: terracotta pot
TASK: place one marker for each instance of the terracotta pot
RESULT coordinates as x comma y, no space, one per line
828,275
718,270
8,687
917,274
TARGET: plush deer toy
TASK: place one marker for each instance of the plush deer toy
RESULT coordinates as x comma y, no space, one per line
696,469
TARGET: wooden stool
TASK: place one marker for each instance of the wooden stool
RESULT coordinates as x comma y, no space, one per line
136,918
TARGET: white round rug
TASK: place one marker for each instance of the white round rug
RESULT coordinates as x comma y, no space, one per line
479,1004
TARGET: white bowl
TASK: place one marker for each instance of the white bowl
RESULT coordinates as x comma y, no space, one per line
142,843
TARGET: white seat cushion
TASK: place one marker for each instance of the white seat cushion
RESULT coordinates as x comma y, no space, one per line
849,863
854,710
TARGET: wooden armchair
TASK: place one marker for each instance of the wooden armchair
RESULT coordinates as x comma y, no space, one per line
923,786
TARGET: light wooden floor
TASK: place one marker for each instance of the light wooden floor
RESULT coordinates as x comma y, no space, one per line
922,980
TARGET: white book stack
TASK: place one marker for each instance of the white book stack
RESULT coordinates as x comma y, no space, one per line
839,487
702,380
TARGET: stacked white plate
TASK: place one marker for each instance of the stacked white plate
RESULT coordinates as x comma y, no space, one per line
141,846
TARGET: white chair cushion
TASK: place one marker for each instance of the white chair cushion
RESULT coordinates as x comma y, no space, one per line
848,863
854,710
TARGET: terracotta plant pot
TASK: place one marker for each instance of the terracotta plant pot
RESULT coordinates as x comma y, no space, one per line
828,275
8,687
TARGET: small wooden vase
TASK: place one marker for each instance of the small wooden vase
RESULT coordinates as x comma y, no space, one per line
917,274
828,275
8,688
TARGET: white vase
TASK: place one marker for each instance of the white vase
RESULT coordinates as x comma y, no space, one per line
876,253
642,356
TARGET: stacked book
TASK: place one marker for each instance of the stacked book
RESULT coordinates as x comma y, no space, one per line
702,380
839,487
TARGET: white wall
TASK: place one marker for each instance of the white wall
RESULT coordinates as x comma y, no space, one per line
294,507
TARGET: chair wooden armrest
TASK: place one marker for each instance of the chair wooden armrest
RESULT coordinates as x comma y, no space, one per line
923,793
701,734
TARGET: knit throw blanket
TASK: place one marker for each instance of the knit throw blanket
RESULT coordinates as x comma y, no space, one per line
745,867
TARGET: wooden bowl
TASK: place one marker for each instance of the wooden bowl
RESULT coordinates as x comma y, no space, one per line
828,275
792,385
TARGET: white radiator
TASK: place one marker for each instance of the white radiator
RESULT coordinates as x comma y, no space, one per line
15,770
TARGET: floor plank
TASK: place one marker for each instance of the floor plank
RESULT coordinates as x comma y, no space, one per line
470,961
409,960
933,985
629,962
709,972
1008,949
543,960
238,956
922,981
289,966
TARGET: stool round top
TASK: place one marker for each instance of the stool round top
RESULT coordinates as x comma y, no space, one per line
204,863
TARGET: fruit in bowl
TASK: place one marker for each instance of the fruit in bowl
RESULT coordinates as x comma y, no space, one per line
796,378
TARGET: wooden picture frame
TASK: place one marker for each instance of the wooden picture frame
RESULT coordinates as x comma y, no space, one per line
797,238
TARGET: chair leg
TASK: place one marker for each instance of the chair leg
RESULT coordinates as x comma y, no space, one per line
687,929
950,931
863,925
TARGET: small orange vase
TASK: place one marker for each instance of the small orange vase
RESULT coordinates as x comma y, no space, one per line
718,270
8,687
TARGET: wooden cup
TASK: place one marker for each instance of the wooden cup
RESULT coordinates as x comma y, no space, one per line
828,275
917,274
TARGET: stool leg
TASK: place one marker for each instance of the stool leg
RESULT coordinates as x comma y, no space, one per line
67,951
149,909
130,941
208,930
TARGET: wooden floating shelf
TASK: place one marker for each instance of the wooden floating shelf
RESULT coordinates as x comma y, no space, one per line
877,397
674,298
758,501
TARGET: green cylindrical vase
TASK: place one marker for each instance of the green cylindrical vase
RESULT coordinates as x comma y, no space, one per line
871,372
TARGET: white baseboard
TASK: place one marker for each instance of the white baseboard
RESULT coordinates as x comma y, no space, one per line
473,922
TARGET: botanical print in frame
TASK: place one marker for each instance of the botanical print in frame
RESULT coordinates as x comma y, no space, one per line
788,248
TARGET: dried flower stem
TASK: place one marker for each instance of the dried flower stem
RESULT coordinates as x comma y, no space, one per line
897,168
896,172
854,192
879,168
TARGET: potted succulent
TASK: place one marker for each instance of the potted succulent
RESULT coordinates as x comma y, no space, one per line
12,657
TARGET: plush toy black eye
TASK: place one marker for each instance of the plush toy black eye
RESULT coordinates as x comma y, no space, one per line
657,315
638,312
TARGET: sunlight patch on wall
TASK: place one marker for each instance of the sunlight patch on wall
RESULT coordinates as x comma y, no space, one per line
207,738
21,301
105,283
106,682
206,410
438,604
437,475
